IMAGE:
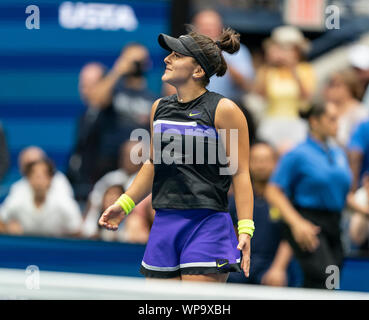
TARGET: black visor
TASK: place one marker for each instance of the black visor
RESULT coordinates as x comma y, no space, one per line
173,44
187,46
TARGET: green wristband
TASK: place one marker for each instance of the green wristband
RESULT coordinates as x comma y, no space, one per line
246,226
126,203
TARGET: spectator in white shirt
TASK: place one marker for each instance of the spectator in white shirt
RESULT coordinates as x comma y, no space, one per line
122,176
30,154
42,211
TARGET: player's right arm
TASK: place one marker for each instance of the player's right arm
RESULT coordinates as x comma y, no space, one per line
142,185
139,189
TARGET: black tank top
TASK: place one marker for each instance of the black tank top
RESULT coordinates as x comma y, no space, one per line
185,134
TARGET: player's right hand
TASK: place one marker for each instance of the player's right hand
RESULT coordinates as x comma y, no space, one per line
112,217
244,246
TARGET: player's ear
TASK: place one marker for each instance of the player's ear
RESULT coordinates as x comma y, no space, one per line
198,73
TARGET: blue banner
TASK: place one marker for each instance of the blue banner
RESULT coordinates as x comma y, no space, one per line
44,44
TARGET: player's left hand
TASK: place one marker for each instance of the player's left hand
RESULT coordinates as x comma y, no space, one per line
244,246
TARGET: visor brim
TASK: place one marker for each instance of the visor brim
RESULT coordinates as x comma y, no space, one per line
172,44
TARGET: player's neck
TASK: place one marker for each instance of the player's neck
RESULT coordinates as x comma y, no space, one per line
188,93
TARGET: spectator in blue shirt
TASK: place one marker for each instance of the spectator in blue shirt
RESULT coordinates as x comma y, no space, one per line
309,187
358,150
358,153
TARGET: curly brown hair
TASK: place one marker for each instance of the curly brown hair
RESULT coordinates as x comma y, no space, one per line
228,41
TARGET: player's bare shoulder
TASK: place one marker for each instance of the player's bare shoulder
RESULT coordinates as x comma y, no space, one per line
229,114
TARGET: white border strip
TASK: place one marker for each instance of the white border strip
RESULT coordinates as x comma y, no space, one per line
179,123
182,265
198,264
74,286
154,268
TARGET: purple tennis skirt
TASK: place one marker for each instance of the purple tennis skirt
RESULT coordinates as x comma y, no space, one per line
195,241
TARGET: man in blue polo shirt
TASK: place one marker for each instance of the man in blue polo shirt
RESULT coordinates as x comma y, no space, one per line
309,187
314,176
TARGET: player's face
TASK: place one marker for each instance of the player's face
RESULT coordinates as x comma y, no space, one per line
179,68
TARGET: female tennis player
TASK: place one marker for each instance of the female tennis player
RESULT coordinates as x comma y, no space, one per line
192,237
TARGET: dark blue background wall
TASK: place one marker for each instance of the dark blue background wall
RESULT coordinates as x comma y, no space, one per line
39,100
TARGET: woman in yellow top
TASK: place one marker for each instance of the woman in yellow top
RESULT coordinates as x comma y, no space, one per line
287,83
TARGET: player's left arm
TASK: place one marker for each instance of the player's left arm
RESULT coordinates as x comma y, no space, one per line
229,117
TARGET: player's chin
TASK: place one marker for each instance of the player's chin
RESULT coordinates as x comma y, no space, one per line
165,78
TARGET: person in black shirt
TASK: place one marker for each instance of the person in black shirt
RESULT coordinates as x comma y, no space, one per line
271,255
83,162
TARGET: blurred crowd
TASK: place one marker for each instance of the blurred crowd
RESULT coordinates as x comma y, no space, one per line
275,96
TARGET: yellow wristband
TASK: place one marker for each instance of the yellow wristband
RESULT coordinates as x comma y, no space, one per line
246,226
126,203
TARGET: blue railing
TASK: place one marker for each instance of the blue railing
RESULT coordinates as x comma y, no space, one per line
114,258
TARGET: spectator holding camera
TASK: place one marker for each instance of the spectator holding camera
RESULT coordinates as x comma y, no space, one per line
125,101
124,88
